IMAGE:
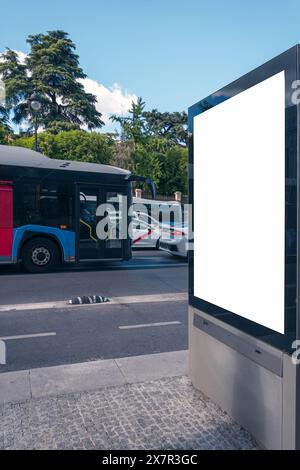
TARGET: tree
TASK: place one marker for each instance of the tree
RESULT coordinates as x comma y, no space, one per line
173,167
171,126
77,145
133,127
3,135
55,127
51,69
4,118
5,130
123,154
154,144
165,164
147,156
140,124
14,75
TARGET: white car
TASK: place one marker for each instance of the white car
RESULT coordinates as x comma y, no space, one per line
176,242
144,234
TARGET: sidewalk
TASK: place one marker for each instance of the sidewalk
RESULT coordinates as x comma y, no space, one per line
143,402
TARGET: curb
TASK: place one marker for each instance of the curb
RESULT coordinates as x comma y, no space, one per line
16,387
132,299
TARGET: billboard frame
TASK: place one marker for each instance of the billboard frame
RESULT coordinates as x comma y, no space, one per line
289,63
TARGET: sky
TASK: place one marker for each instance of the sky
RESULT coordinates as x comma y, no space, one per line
171,52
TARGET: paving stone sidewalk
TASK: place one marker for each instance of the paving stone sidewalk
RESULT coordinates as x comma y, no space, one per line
163,414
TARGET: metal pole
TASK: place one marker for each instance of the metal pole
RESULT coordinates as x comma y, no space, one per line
35,134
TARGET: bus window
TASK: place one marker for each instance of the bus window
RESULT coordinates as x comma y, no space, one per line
50,206
88,220
55,206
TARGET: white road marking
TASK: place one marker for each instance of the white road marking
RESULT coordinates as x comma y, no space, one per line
131,299
146,325
33,306
37,335
134,299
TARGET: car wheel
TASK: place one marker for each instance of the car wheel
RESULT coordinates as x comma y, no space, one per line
40,255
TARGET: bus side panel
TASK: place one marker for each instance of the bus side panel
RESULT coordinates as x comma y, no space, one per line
65,238
6,219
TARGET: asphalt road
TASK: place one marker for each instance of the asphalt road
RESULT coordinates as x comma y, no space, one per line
83,333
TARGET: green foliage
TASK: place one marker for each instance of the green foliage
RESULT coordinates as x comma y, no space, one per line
55,127
4,118
52,70
133,126
77,145
15,79
3,135
153,144
171,126
173,167
25,141
123,154
165,164
5,130
146,158
140,124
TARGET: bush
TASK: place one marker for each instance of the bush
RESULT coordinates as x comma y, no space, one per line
5,134
173,166
2,135
165,164
73,145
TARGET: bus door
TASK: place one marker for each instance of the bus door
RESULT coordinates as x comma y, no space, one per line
114,244
103,241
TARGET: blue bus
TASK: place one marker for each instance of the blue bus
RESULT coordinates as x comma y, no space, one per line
45,217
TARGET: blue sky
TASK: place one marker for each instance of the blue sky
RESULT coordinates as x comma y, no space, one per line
170,52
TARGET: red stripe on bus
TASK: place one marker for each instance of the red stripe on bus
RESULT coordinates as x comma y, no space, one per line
6,218
6,241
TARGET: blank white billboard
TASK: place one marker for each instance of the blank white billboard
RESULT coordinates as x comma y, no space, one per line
239,203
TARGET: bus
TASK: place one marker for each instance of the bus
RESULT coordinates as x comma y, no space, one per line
46,218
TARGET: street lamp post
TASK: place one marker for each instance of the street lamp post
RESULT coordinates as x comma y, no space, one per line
35,105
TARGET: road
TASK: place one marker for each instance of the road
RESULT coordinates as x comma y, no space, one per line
151,316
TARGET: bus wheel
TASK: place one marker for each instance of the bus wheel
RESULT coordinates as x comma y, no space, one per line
40,255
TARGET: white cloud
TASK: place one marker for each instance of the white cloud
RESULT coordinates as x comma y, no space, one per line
21,55
111,100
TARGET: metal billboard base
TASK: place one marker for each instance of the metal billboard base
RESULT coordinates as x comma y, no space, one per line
249,379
